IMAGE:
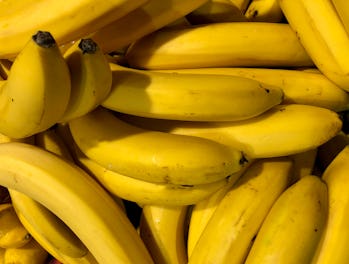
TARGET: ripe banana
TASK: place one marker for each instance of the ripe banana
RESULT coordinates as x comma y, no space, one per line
227,44
332,247
292,229
281,131
100,224
323,36
91,78
162,229
264,11
12,233
151,16
193,97
304,163
342,9
151,155
33,100
215,11
66,21
299,86
143,192
237,218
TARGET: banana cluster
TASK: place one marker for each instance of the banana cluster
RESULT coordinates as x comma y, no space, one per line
174,132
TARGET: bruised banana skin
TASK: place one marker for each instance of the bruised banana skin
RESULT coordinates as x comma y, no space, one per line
270,45
297,218
91,78
264,11
156,156
303,127
187,96
117,240
299,86
31,103
69,21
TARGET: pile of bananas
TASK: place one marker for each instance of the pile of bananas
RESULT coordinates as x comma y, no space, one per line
174,132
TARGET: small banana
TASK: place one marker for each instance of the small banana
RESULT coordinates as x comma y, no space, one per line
229,232
151,155
32,101
238,44
292,229
91,78
12,233
264,11
190,97
162,229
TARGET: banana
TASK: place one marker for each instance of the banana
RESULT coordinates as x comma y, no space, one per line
66,22
237,218
335,237
322,35
162,230
215,11
12,233
281,131
191,97
143,192
304,163
202,211
299,86
33,100
264,11
342,9
91,78
228,44
31,253
151,16
292,229
151,155
100,224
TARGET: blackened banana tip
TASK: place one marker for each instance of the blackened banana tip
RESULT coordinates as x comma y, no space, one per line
88,46
44,39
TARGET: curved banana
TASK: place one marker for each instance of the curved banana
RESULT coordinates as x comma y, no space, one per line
66,21
111,238
264,11
162,229
192,97
299,86
292,229
12,233
237,218
151,155
33,100
91,78
331,248
237,44
140,22
302,127
215,11
323,36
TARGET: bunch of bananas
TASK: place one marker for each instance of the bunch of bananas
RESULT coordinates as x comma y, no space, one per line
174,132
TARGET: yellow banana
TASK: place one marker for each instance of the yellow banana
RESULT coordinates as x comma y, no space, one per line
342,9
332,247
162,229
33,100
292,229
304,163
226,44
215,11
91,78
100,224
66,21
155,156
237,218
299,86
143,192
31,253
12,233
264,11
194,97
147,18
323,36
281,131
